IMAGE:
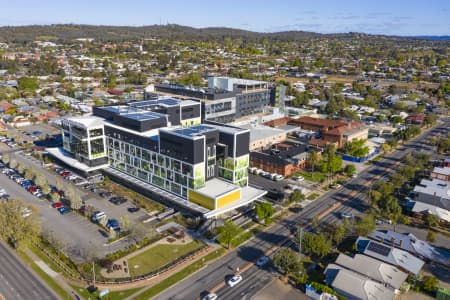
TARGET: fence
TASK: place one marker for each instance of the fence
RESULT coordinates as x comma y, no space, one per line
70,273
360,159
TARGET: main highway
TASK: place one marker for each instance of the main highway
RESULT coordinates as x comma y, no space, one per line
17,281
350,198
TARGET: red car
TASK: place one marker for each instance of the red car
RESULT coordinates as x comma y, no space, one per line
32,189
57,205
65,173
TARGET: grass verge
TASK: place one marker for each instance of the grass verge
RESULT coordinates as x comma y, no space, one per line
45,277
113,295
169,281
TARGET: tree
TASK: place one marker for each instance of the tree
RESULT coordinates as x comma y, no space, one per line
356,148
385,147
365,225
429,283
313,160
140,231
314,244
59,184
69,192
16,228
46,188
349,170
76,202
28,83
431,220
431,237
296,197
430,119
5,158
125,223
227,232
13,164
287,260
29,174
54,197
40,179
21,168
264,211
339,233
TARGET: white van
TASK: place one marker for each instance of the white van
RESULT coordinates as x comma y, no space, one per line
98,216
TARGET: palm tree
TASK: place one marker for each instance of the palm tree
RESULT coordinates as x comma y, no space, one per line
313,160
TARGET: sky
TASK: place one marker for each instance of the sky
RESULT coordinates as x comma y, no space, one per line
390,17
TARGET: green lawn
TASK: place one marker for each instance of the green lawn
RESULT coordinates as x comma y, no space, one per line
316,176
113,295
159,256
169,281
312,196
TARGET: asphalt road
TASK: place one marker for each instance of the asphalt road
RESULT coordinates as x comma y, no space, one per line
352,198
17,281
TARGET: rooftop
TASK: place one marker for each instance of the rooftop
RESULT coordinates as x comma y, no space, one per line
410,243
87,121
391,255
356,286
442,170
193,131
373,268
259,132
216,187
435,187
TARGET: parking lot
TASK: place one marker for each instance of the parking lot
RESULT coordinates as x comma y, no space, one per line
76,232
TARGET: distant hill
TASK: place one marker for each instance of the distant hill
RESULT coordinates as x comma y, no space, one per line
432,37
119,33
67,32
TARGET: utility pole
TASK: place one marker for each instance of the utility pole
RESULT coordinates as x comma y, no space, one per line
300,238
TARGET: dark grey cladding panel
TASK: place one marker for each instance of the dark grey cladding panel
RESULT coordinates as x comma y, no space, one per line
140,125
102,112
242,143
212,137
191,111
182,148
227,139
137,140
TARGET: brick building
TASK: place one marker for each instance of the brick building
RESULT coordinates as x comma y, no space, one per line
283,158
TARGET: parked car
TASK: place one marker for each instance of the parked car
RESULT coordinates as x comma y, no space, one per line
133,209
64,210
262,261
234,280
117,200
57,205
98,216
113,224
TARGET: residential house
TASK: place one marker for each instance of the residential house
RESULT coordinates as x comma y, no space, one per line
410,243
397,257
354,286
441,173
434,192
373,268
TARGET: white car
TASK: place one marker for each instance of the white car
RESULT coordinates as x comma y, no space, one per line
262,261
300,178
210,296
234,280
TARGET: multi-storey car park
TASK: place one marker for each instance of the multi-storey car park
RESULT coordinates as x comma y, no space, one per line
160,146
